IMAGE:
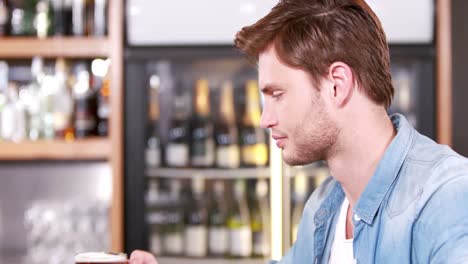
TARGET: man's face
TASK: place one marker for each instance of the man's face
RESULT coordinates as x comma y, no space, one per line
295,111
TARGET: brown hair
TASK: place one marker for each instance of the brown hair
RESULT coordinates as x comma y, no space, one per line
312,34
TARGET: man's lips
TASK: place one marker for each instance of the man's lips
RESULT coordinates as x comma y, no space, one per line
276,137
280,140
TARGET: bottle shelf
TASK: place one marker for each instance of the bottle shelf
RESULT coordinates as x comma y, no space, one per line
70,47
80,149
212,173
175,260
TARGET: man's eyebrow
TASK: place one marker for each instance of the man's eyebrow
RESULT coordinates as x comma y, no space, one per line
269,87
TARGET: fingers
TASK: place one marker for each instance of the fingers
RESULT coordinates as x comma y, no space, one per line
142,257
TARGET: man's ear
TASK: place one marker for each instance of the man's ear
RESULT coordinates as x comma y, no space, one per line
342,78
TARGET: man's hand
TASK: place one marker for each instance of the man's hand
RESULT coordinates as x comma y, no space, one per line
142,257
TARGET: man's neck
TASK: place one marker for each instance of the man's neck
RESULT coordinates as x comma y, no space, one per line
362,145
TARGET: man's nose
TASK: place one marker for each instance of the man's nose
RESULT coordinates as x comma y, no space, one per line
268,119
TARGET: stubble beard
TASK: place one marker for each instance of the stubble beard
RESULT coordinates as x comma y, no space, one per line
313,138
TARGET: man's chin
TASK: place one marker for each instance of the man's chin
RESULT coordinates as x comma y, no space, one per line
295,161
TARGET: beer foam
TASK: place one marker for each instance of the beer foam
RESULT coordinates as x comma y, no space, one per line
100,257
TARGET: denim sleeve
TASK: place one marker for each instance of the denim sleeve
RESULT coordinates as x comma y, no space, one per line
441,230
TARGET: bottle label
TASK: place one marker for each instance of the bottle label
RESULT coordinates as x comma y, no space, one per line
178,133
174,243
224,138
218,240
85,123
203,153
228,156
153,157
177,155
255,154
241,242
196,241
252,136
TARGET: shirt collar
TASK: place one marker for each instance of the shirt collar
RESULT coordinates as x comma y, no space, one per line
387,170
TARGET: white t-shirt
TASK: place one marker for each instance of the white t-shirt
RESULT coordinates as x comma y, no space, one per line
342,248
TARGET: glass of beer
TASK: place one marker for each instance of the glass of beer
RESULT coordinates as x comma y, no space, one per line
101,258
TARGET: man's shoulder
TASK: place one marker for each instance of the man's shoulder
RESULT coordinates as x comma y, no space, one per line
433,155
440,220
432,161
428,167
445,169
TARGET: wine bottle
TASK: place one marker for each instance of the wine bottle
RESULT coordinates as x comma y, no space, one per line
13,115
4,69
79,17
62,17
89,17
43,19
227,149
63,103
218,234
260,220
196,230
202,147
173,241
34,108
102,84
4,18
153,155
47,111
240,233
254,147
154,217
28,17
299,198
59,17
177,148
85,102
100,18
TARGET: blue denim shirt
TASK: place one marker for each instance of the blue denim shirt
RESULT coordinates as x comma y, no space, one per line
413,210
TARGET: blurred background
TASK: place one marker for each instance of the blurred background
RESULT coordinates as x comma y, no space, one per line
135,125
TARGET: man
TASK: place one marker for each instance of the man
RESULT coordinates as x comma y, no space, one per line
394,196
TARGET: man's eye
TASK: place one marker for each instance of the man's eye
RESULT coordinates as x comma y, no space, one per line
277,94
